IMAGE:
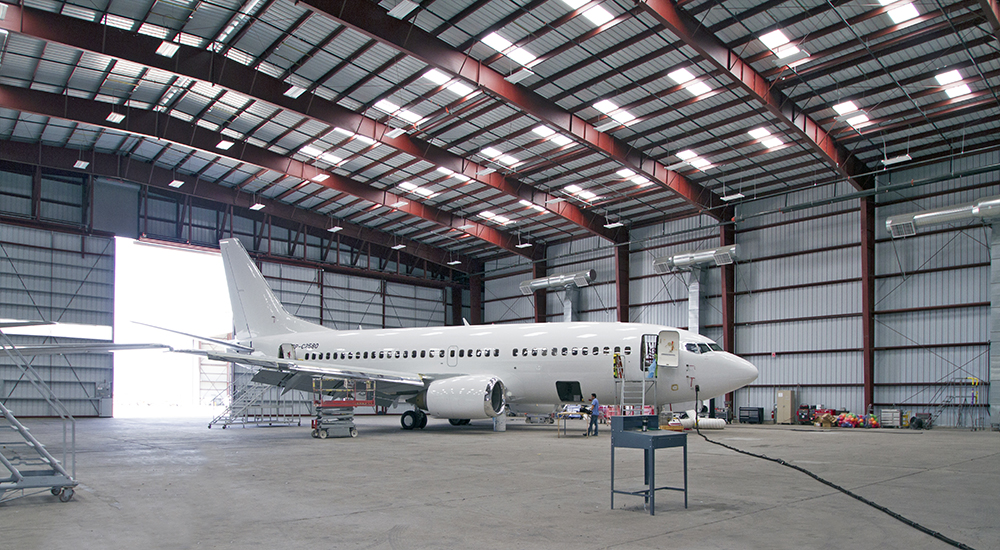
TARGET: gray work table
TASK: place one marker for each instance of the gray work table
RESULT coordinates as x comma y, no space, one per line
626,431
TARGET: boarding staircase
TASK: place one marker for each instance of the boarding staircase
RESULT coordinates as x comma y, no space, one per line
962,394
251,403
31,467
633,396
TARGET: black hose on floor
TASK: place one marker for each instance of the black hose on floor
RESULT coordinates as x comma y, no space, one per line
847,492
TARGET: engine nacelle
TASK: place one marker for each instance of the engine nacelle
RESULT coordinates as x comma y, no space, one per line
473,397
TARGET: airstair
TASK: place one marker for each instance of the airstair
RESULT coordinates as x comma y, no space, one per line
30,466
251,403
964,395
635,397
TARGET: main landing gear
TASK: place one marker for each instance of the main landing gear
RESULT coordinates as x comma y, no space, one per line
413,419
458,421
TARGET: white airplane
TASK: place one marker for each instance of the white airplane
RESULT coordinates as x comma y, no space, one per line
470,372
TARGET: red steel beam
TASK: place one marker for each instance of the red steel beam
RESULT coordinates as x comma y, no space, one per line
145,173
868,299
168,129
708,46
207,66
373,21
991,11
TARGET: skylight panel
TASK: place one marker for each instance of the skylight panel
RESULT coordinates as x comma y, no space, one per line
625,173
330,158
573,188
118,22
901,14
497,42
774,39
686,79
598,15
522,56
949,77
605,106
436,77
543,131
958,91
686,154
386,106
460,89
681,76
757,133
858,120
409,116
845,107
508,160
700,163
772,142
491,152
310,151
561,140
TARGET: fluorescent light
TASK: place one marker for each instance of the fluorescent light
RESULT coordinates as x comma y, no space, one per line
310,151
774,39
334,229
318,178
698,88
949,77
225,145
687,154
903,13
605,106
115,118
521,55
294,92
256,206
770,143
756,133
613,225
176,183
522,245
858,120
399,247
386,106
958,91
598,15
436,77
700,163
460,89
543,131
681,76
727,198
402,9
561,140
454,262
331,158
845,107
167,49
496,42
81,164
897,160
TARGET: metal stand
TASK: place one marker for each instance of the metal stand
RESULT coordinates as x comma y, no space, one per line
254,403
30,464
335,416
642,432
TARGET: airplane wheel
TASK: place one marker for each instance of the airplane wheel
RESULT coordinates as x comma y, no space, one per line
455,421
354,432
323,434
408,420
423,421
465,421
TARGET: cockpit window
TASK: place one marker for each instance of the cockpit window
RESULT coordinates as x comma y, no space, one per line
704,348
715,347
692,347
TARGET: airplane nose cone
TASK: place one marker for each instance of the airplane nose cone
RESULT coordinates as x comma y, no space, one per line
746,372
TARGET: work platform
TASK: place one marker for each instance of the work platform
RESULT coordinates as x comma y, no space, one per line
643,432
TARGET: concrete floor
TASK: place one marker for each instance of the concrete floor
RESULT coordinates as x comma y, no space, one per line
173,484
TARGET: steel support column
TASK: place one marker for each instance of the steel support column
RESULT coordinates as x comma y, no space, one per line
727,236
538,270
476,299
868,298
622,273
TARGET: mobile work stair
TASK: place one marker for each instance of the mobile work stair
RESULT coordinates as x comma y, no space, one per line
31,467
251,403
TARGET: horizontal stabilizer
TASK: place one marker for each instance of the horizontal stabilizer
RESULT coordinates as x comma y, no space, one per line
64,349
226,343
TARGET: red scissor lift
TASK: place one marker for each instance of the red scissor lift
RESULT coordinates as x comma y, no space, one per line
335,402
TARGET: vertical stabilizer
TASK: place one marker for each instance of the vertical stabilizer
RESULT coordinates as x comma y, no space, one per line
256,311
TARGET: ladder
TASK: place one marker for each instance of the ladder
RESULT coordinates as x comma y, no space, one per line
634,396
253,403
31,467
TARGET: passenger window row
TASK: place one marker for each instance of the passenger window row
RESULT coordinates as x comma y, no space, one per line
478,352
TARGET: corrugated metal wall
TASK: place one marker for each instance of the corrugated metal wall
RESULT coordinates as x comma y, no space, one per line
53,276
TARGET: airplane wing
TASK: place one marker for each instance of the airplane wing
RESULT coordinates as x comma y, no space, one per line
63,349
225,343
309,368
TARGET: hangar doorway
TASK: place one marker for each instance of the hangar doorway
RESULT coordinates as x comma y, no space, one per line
182,288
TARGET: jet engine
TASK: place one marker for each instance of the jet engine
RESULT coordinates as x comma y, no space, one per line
475,396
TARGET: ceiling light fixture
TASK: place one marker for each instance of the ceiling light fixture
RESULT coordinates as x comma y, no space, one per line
897,160
613,225
398,247
115,118
167,49
225,145
901,14
81,164
294,92
256,206
402,9
335,228
518,76
318,178
734,196
454,262
176,183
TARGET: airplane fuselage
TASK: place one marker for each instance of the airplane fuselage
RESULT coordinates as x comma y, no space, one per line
539,364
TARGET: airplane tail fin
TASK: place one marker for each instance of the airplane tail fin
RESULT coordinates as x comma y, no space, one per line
256,311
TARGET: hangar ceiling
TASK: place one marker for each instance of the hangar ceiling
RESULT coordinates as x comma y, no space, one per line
477,129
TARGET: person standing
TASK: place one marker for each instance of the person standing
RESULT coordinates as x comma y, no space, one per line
595,412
